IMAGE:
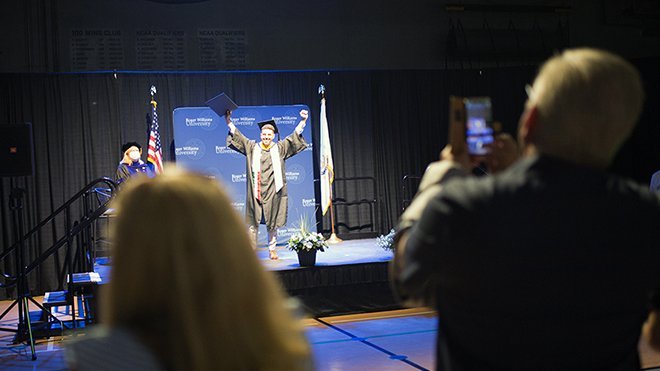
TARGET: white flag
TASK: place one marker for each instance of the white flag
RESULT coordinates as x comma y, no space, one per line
327,169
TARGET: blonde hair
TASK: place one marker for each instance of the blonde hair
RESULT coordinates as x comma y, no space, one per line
269,127
186,281
588,102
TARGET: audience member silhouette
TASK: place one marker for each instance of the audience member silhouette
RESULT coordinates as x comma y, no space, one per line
186,286
550,263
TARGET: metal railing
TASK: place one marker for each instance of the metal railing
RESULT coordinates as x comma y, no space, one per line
78,232
343,202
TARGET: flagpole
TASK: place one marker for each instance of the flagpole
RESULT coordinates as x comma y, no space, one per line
333,239
154,153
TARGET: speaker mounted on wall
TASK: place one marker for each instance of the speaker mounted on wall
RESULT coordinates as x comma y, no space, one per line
16,150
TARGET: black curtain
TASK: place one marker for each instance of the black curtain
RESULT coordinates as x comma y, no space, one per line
383,124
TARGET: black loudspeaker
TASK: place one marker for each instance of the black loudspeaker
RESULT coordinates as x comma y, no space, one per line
16,150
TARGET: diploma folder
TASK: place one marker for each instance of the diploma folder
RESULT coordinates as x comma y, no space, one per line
221,103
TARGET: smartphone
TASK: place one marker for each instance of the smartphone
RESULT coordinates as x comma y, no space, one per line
479,132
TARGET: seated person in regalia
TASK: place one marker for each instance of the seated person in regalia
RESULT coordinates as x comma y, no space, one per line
131,164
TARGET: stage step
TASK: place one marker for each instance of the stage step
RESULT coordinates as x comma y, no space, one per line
85,285
85,278
52,300
55,299
83,289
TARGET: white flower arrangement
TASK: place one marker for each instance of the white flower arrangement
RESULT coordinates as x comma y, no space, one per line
386,242
305,240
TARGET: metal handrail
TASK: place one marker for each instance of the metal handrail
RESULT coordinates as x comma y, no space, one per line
75,230
372,203
71,231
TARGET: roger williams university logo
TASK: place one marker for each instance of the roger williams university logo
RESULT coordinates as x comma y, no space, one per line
201,122
238,178
238,206
186,151
246,120
193,149
308,202
286,232
224,150
295,174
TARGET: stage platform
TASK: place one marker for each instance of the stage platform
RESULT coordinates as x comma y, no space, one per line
345,253
349,277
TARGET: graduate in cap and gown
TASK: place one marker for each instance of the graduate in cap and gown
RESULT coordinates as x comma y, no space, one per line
266,201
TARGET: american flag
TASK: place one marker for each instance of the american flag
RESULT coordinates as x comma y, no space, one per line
155,153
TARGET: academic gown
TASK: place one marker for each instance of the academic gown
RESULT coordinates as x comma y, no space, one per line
274,204
125,171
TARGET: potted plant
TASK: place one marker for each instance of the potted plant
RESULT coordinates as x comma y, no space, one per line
306,243
386,242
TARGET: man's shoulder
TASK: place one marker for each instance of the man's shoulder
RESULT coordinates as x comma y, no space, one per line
533,179
655,182
502,187
631,190
464,194
482,187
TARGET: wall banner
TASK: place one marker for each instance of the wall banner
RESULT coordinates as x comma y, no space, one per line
200,145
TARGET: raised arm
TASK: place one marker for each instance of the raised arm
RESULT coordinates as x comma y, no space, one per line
232,127
411,279
295,143
235,139
410,271
301,125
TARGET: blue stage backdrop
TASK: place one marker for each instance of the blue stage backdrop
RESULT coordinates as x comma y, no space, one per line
200,145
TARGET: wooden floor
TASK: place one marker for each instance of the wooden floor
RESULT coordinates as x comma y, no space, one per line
392,340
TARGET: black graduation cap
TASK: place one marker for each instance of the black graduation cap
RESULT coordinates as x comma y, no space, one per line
268,122
125,147
221,104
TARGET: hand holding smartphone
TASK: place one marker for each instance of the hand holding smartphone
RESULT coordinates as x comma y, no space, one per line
475,138
456,150
479,133
471,125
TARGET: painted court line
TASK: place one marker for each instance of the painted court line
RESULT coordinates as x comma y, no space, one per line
374,337
398,357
